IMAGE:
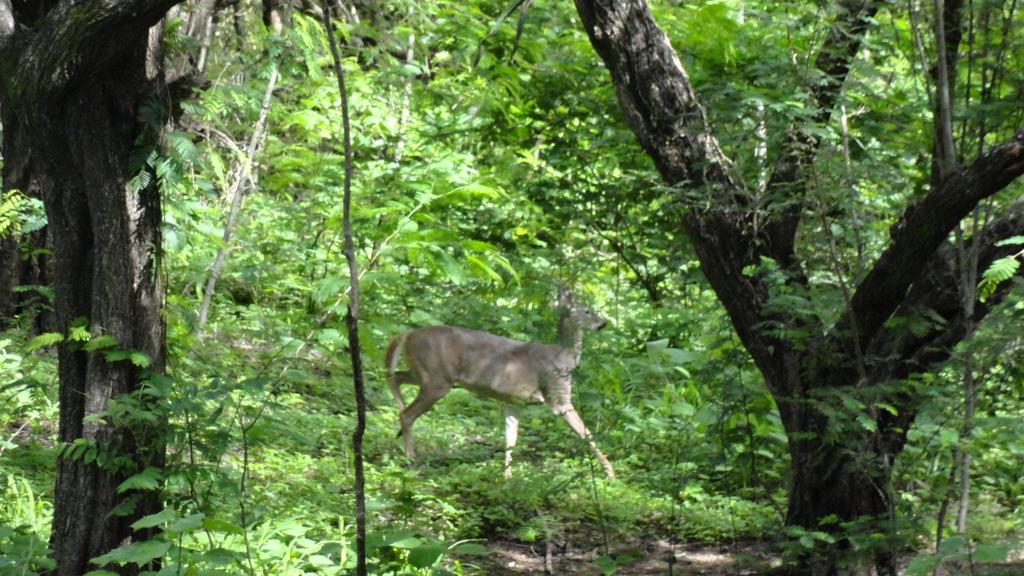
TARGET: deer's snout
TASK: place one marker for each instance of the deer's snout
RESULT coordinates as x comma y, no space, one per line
601,325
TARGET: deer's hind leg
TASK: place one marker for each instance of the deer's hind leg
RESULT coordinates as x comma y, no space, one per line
431,390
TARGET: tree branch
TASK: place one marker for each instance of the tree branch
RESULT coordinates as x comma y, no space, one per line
8,57
661,106
655,93
76,38
845,36
922,230
938,294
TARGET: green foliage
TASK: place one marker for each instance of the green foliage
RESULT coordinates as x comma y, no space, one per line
504,178
1000,270
20,214
956,552
24,521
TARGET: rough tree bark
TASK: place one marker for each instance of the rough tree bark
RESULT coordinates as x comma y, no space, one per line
844,478
72,78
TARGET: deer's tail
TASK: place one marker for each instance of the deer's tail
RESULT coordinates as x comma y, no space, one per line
391,360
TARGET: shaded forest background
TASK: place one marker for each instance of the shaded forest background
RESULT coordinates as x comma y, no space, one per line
492,163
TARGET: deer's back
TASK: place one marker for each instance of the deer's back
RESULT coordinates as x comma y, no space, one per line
484,363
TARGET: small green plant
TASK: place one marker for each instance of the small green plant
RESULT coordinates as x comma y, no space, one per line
20,214
24,527
958,553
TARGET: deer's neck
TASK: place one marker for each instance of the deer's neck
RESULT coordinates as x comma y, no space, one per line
570,338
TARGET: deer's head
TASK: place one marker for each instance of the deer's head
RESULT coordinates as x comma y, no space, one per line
580,314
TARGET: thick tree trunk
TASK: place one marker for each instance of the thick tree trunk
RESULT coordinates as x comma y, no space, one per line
839,470
106,240
833,484
105,245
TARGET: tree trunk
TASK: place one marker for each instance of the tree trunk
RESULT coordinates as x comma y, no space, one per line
840,469
71,90
834,484
106,245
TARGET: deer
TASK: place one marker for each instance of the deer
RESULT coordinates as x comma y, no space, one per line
514,372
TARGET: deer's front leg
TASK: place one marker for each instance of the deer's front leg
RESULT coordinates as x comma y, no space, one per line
569,414
511,415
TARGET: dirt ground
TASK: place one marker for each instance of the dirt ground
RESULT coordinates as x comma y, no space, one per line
650,558
661,558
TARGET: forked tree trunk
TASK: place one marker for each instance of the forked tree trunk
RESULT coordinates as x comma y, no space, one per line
840,469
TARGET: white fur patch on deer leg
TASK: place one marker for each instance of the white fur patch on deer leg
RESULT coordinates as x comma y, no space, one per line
511,435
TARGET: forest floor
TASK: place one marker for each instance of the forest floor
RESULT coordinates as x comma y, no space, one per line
649,558
749,558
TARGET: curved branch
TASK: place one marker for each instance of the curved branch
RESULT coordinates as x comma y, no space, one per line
898,353
937,293
661,106
655,93
922,230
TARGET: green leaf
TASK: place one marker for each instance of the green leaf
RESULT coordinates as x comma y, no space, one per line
888,408
43,340
188,523
327,288
998,272
148,479
219,525
1011,241
507,266
988,553
470,548
867,422
126,507
100,342
165,515
484,270
607,565
923,565
477,190
952,544
79,330
117,355
427,555
678,356
136,553
139,359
